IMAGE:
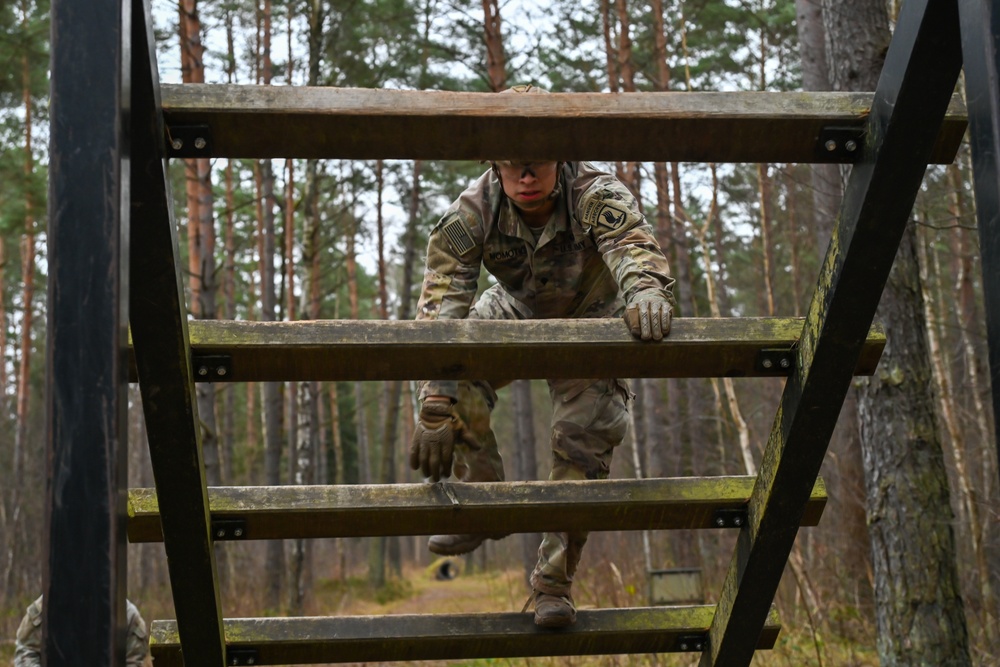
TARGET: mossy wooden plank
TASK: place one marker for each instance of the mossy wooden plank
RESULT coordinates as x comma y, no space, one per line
403,638
500,350
279,512
921,68
272,121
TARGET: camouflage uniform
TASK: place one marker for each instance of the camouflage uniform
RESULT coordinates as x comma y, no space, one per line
28,648
595,253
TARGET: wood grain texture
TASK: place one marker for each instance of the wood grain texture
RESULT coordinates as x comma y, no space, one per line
285,512
499,350
283,641
357,123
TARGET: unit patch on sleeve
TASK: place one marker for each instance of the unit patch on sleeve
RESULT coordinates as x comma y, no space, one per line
607,213
458,236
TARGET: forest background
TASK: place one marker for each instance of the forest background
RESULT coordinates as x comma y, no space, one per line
323,239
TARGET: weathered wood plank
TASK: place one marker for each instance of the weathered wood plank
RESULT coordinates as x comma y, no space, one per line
498,350
283,512
158,328
921,68
312,640
355,123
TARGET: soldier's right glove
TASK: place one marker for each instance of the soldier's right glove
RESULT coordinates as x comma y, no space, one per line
648,315
433,446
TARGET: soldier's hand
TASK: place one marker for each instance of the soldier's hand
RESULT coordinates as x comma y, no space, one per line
648,315
433,446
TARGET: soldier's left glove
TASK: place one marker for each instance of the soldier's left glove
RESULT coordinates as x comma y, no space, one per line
648,315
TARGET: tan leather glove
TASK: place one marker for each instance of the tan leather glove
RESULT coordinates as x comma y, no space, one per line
648,315
433,445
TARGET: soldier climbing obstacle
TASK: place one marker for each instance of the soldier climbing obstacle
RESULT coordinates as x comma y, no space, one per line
563,240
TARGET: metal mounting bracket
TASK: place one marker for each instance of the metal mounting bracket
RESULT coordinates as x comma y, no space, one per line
735,518
229,529
211,367
691,642
840,144
242,656
778,362
189,141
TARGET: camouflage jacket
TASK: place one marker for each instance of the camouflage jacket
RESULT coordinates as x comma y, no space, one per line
595,254
28,647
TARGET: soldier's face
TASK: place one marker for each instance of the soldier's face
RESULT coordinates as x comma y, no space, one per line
528,184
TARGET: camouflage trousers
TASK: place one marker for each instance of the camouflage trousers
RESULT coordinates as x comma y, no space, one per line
590,418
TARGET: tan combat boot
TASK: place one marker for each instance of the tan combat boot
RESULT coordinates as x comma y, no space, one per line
552,611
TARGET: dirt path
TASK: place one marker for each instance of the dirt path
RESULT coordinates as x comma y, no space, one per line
490,592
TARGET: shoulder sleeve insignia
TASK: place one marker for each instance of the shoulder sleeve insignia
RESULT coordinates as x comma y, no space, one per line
609,214
458,236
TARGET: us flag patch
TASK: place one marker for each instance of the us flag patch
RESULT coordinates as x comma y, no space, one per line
458,237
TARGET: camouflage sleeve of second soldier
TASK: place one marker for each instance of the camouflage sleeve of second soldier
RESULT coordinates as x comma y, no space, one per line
610,213
451,278
28,644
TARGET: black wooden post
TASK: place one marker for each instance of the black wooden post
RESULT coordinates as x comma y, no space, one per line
162,354
980,24
86,381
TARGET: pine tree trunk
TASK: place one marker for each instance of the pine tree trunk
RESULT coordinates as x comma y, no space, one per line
496,60
825,178
968,500
15,533
272,401
4,380
919,614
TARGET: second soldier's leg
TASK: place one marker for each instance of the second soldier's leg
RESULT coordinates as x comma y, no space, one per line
588,422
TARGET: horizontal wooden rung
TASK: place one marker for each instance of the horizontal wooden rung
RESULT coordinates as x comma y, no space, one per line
497,350
279,512
302,122
315,640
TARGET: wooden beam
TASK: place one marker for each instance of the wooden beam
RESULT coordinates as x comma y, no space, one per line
498,350
86,439
405,638
367,124
917,81
286,512
162,356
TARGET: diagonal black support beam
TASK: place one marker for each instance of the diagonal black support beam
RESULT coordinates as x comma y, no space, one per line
980,26
917,80
86,372
162,353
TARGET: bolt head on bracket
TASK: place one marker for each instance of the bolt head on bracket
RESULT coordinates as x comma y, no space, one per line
211,367
229,529
187,141
242,656
776,362
691,642
840,144
731,518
